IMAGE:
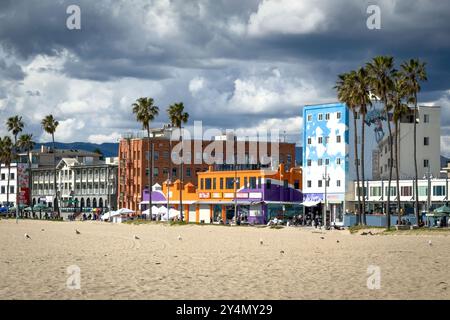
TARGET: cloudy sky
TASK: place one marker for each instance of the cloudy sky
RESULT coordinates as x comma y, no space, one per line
235,64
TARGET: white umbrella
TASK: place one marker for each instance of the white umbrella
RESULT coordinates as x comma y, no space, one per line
172,214
107,215
124,211
155,211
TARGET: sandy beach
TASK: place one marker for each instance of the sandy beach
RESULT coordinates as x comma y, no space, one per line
216,262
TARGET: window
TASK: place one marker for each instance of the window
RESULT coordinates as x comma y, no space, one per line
296,184
166,154
426,141
338,183
11,189
338,115
165,172
174,172
12,175
319,162
309,140
327,162
308,183
155,172
320,117
320,140
338,139
229,183
423,191
308,162
214,184
309,117
3,176
375,191
338,161
426,163
269,183
319,183
245,182
252,182
188,172
426,118
155,155
221,183
406,191
327,116
3,190
259,182
327,139
202,184
208,183
360,191
438,191
327,183
393,191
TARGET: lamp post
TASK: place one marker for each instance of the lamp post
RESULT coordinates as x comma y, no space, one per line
168,128
235,180
428,176
326,179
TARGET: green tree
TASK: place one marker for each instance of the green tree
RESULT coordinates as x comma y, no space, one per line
381,70
178,117
49,124
146,112
413,72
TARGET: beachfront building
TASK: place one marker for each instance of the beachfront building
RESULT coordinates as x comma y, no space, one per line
329,157
134,153
84,184
18,185
258,195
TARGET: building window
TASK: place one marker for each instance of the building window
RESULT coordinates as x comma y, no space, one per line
165,172
155,155
221,183
393,191
320,117
338,161
229,183
327,116
202,184
319,162
439,191
11,189
269,183
214,184
320,140
309,117
375,191
308,183
308,162
12,176
327,139
338,139
188,172
208,183
426,118
3,176
3,191
406,191
319,183
423,191
338,115
327,162
309,140
426,141
155,172
174,172
426,163
296,184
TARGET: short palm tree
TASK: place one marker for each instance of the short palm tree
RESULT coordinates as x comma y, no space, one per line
6,157
49,124
413,72
15,126
146,111
344,90
396,99
381,70
178,117
26,143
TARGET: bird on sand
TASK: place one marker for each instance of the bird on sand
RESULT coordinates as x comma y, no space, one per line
322,238
27,236
179,237
136,237
42,229
337,241
282,251
261,241
430,243
77,232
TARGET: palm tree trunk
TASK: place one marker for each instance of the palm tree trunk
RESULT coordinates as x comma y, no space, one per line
415,161
181,177
356,162
363,118
7,186
390,162
397,163
30,182
56,200
17,171
150,172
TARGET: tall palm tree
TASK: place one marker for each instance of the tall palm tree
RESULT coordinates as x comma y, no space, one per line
396,99
380,70
146,111
178,117
414,72
49,124
6,157
344,90
361,92
26,143
15,126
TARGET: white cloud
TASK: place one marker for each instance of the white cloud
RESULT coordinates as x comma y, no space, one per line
287,17
196,84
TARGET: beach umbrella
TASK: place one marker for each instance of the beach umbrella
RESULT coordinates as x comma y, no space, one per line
124,211
443,210
40,206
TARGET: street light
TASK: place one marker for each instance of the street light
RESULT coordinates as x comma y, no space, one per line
326,178
428,176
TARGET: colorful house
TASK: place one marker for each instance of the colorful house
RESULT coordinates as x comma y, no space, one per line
257,195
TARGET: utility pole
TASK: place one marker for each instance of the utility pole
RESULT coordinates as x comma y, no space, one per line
326,178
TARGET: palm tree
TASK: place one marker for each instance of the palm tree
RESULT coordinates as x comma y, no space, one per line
396,98
413,72
380,70
343,87
6,157
15,126
178,117
361,94
146,112
49,124
26,143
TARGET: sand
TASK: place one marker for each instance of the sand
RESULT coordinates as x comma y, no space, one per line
216,262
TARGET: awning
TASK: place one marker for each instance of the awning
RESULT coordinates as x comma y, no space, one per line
310,203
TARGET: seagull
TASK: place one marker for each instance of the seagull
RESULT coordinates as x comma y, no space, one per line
27,236
179,237
430,243
282,251
77,232
136,237
337,241
322,238
261,241
42,230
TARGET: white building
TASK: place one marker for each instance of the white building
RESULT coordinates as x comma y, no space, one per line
13,183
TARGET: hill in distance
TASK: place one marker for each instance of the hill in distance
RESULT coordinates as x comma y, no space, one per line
107,149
